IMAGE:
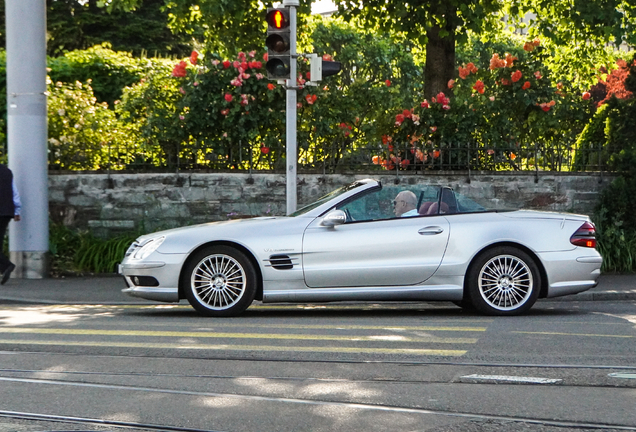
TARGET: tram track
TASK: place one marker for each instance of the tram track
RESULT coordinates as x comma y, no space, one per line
359,406
5,376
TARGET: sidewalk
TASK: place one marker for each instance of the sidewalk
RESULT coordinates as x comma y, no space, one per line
106,290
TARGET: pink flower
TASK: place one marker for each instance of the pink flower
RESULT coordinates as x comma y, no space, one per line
425,104
228,97
181,90
241,55
252,53
225,112
181,117
451,83
538,75
442,99
196,83
446,107
216,62
492,98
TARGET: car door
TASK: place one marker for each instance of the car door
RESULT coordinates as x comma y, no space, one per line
387,252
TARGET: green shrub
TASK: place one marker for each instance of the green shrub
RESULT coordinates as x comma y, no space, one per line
615,220
78,252
110,71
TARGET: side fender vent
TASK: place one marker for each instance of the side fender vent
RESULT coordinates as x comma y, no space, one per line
281,262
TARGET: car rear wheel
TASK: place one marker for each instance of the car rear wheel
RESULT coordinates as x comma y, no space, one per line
503,281
219,281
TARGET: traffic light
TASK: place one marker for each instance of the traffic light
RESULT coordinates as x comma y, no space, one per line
321,68
278,44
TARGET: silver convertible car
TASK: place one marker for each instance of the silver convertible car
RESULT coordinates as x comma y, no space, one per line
370,242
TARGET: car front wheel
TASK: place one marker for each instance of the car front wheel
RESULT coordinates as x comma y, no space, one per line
503,281
219,281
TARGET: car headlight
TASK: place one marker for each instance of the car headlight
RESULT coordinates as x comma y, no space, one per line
148,247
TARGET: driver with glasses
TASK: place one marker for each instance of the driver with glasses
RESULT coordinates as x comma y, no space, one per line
405,204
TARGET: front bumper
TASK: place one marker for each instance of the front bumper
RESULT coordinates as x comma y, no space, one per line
154,279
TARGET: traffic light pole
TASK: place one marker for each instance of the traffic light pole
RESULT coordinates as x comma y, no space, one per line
291,113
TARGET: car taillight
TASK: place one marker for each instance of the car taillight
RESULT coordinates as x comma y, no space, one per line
585,236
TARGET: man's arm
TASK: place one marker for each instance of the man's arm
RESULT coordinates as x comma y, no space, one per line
16,203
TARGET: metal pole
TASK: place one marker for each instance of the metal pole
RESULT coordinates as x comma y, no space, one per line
27,134
291,145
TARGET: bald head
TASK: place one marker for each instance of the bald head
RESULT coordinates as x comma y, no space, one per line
404,201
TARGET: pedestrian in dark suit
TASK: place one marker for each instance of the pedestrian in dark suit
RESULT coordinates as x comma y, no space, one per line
9,209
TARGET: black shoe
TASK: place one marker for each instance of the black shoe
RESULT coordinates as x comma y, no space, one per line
7,273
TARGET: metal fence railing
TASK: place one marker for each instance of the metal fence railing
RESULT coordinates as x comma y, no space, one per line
334,157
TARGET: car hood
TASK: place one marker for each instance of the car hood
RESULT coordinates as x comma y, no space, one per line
241,231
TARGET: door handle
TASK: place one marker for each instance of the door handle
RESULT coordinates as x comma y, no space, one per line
431,230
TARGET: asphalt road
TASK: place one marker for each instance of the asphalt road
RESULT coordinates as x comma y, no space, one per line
337,367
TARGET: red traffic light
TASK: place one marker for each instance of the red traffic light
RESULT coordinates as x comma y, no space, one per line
277,19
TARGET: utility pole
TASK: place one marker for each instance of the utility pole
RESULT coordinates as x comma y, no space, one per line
27,134
291,100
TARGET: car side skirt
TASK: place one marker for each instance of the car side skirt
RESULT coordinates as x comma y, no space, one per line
416,292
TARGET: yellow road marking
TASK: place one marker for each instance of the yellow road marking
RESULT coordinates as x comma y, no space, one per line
372,338
575,334
405,351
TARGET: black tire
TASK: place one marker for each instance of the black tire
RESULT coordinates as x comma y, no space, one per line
219,281
503,281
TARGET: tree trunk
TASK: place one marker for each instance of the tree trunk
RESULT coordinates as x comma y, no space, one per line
440,60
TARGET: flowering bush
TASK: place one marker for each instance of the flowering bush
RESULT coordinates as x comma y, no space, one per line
610,136
83,134
508,111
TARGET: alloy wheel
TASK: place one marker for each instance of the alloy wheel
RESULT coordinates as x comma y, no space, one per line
505,282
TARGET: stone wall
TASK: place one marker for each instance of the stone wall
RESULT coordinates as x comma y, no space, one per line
112,204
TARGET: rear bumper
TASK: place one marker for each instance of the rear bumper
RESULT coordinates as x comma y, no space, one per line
571,272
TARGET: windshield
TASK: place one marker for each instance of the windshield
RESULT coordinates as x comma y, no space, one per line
326,198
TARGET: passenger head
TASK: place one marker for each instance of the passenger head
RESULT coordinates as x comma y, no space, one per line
404,201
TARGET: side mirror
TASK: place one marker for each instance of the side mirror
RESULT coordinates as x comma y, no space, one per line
333,218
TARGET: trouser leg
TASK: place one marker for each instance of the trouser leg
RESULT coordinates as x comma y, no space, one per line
4,261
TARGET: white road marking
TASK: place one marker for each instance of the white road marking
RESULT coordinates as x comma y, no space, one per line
623,375
519,379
